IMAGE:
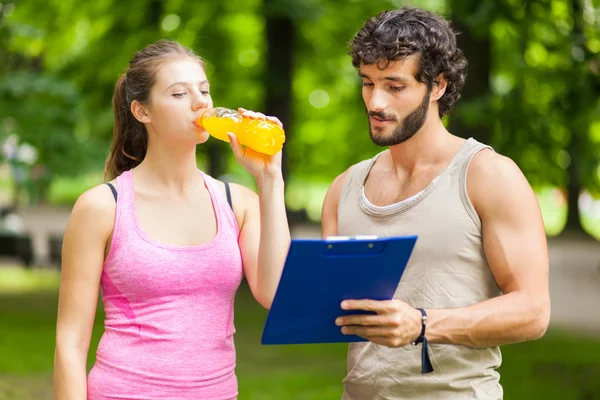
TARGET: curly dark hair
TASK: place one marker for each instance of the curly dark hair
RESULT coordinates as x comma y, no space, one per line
395,35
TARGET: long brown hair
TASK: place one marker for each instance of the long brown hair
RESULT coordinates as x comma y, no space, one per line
130,139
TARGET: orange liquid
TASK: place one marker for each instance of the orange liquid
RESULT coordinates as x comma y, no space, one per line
261,136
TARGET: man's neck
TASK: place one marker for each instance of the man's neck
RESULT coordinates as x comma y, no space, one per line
429,145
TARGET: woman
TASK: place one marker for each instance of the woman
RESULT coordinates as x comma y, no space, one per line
165,247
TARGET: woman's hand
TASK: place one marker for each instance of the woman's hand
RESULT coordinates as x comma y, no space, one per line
257,164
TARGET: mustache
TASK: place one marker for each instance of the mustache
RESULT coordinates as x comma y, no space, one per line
381,115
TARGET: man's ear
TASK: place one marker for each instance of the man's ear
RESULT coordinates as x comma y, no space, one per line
439,87
139,112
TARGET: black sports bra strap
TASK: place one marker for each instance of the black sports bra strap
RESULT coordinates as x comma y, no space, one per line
113,190
228,192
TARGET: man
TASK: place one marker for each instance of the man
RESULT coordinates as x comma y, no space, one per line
478,276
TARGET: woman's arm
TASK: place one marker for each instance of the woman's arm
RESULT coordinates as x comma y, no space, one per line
264,232
264,237
85,240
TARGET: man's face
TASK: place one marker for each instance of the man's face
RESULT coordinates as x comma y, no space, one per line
396,103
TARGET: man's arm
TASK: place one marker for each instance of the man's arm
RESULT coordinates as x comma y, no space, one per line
515,246
514,242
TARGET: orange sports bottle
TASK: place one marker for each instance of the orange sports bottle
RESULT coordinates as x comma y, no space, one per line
264,137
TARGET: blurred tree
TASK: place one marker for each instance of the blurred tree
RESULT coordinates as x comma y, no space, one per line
581,94
530,89
471,19
81,51
38,108
4,38
545,95
44,111
215,151
280,38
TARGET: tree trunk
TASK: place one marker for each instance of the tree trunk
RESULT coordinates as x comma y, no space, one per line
216,159
477,49
154,12
575,147
278,72
217,152
4,37
573,224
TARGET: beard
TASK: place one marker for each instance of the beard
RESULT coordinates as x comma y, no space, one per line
404,131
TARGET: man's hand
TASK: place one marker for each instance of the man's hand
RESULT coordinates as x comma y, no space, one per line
395,324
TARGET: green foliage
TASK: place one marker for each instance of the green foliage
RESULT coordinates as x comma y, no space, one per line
543,85
44,111
63,58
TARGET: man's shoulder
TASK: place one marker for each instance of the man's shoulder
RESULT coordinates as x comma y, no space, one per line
339,183
494,179
491,167
354,169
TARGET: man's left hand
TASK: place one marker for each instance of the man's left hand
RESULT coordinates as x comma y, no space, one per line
395,324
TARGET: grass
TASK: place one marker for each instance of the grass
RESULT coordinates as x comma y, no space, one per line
559,366
20,280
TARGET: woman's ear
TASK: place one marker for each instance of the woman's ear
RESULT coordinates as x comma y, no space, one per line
139,112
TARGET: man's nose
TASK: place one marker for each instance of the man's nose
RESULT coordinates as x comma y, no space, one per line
378,101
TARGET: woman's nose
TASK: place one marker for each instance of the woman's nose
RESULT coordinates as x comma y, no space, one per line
200,101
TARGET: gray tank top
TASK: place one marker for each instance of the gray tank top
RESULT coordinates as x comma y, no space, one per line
447,269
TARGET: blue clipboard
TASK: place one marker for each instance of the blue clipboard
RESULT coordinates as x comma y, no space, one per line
320,273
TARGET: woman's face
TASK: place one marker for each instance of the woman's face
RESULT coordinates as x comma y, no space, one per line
180,94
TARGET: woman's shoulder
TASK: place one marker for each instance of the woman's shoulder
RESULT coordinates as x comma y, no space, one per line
238,190
242,198
97,203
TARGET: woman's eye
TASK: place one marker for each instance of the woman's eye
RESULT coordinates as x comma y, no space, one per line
367,84
179,95
205,92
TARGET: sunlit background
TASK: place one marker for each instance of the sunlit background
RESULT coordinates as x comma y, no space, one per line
533,93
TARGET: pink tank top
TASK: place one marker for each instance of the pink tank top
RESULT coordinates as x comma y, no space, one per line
168,332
